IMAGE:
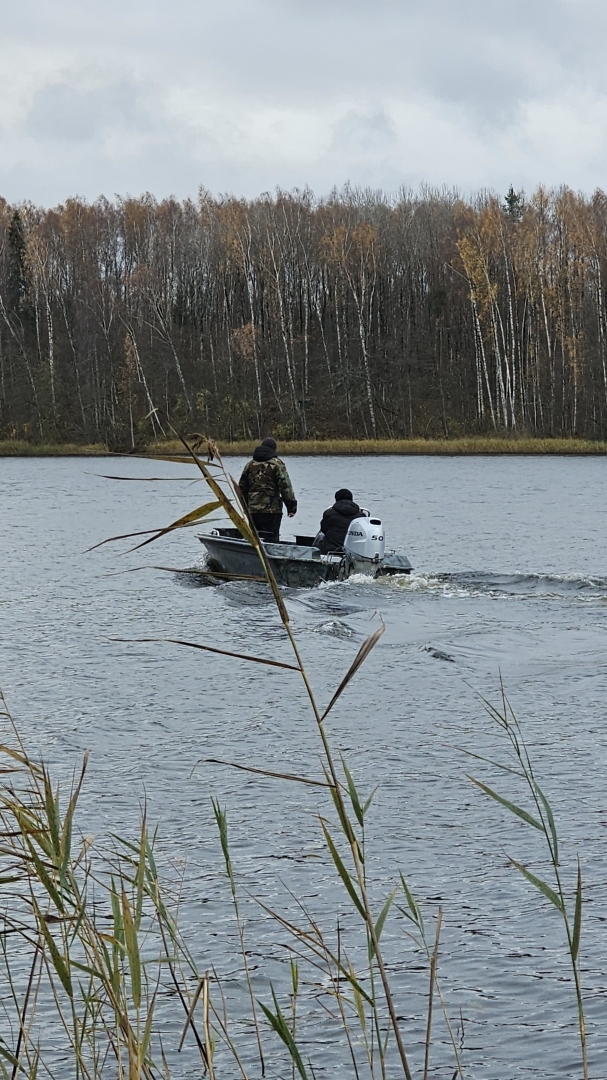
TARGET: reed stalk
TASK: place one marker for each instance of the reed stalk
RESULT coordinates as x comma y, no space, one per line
542,819
222,825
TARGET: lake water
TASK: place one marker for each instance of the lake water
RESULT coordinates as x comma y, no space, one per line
510,558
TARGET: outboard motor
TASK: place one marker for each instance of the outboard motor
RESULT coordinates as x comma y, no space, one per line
365,538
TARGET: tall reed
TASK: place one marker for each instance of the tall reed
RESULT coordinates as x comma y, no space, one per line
540,817
92,936
350,813
89,942
368,996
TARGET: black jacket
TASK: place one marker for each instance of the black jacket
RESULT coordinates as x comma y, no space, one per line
335,523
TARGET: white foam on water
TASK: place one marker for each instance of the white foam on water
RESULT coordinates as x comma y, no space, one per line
429,583
520,586
335,628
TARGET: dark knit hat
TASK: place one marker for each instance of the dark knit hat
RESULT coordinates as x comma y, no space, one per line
269,442
343,493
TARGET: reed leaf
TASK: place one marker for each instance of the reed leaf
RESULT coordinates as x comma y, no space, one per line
414,912
65,851
212,649
181,523
150,479
66,834
52,814
6,1054
58,960
359,659
358,1000
173,458
514,809
132,948
32,766
122,536
369,801
117,916
354,799
318,946
199,573
266,772
343,873
237,519
541,885
95,973
147,1031
140,874
294,976
222,825
379,925
577,918
45,878
282,1029
490,761
551,823
31,826
340,808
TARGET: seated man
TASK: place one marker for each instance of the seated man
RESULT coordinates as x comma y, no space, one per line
336,520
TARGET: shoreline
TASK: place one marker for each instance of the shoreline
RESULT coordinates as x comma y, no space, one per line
466,446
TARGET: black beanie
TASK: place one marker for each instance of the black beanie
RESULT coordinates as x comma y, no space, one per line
343,493
269,442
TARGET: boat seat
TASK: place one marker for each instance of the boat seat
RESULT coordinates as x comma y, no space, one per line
232,534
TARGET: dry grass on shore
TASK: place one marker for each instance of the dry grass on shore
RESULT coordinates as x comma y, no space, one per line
20,448
473,444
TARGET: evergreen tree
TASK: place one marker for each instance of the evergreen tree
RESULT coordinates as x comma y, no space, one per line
514,203
17,282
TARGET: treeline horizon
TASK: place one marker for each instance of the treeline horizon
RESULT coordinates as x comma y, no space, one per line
354,316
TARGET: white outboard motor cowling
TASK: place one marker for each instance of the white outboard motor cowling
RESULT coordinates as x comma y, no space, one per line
365,538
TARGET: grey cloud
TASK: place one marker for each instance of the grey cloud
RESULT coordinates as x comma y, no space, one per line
244,95
66,113
307,49
359,136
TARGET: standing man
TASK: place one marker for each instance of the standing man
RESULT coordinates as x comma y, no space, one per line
265,486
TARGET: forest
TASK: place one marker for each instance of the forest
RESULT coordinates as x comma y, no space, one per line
359,315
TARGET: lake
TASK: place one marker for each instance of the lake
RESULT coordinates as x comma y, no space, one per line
510,579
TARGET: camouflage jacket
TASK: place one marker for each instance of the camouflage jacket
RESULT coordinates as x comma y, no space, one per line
265,485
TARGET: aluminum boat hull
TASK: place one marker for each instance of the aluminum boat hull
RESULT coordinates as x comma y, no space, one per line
294,564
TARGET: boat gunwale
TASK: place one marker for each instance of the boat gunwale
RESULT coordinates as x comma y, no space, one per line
362,565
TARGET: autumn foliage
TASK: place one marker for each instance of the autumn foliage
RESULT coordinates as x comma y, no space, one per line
358,316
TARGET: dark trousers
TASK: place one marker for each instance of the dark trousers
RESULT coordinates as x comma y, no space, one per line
268,526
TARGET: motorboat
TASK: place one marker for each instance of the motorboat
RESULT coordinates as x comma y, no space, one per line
301,562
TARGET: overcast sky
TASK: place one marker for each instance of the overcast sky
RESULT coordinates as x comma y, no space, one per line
242,96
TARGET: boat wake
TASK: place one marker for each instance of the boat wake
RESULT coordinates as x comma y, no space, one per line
580,587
